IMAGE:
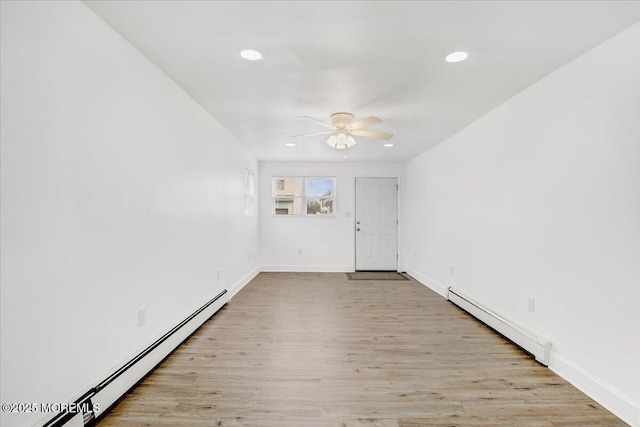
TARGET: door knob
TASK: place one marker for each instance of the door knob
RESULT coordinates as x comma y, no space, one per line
358,229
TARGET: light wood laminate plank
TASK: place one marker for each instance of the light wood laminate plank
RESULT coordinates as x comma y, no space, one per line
315,349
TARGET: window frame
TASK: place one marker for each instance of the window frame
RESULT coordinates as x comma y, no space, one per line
249,193
303,196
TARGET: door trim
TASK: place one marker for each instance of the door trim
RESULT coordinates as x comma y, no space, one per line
399,263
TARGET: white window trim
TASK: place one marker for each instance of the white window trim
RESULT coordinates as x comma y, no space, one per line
303,196
249,193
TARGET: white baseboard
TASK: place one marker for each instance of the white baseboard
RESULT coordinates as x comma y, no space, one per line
105,396
308,268
539,347
243,282
619,404
106,391
428,282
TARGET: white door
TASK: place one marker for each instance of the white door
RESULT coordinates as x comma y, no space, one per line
377,224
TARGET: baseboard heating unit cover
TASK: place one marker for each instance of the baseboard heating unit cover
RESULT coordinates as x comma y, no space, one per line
108,391
537,346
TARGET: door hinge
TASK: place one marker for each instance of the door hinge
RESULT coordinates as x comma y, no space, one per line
397,187
397,256
397,221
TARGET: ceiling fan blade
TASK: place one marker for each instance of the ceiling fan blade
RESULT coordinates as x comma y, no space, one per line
312,134
369,134
319,121
364,122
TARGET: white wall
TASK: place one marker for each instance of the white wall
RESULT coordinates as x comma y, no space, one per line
118,191
541,198
327,243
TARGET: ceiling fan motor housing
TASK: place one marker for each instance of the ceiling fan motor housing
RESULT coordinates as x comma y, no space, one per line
341,120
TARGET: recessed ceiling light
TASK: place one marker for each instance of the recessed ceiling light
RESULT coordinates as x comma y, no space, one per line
388,145
251,55
290,144
457,56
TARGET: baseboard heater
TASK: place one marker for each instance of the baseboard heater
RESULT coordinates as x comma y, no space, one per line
537,346
108,391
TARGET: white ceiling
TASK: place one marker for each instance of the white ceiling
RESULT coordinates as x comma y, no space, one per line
368,57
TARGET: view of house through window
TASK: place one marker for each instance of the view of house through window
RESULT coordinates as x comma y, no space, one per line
320,196
303,196
287,193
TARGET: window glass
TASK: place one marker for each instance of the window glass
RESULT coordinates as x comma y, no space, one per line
288,206
291,187
320,195
303,196
249,191
317,206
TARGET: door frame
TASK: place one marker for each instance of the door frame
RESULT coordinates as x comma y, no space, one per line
400,264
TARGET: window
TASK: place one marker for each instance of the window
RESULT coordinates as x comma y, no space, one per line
303,196
320,195
287,196
249,191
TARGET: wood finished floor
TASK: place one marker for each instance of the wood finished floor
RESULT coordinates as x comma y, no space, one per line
315,349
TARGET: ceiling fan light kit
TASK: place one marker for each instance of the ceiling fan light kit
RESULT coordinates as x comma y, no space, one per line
341,140
344,128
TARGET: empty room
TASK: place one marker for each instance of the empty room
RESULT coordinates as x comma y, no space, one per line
320,213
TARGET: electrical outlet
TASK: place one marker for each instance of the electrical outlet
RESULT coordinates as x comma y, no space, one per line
142,316
218,275
531,304
299,251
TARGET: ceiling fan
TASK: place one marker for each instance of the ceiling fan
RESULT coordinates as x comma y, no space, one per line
343,128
